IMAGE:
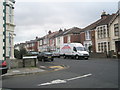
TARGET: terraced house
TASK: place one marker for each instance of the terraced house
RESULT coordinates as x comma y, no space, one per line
47,42
59,39
7,29
72,35
114,27
32,45
102,37
87,36
103,33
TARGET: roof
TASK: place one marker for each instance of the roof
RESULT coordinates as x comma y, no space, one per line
20,44
49,35
40,38
13,1
52,34
114,17
61,33
106,20
91,26
31,41
74,30
99,22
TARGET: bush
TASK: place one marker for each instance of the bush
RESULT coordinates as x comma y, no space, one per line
19,54
90,48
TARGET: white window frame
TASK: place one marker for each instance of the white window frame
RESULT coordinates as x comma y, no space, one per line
87,35
10,14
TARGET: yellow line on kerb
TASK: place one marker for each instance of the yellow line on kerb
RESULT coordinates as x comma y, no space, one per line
57,67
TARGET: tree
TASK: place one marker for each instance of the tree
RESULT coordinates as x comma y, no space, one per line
17,53
22,52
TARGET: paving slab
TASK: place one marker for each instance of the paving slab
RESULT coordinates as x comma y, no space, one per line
23,71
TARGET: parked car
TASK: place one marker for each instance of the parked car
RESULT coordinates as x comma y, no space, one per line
32,53
45,56
56,54
3,67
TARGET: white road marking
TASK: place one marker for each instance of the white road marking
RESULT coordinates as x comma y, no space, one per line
79,77
58,81
53,82
16,71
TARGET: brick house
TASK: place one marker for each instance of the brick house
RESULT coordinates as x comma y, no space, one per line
72,35
47,43
32,45
59,39
41,43
97,33
52,41
19,46
87,36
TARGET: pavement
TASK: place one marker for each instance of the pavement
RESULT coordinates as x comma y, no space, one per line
41,67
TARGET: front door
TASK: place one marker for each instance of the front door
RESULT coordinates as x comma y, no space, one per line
117,44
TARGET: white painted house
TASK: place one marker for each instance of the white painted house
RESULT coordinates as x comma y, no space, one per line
7,29
103,34
114,27
59,39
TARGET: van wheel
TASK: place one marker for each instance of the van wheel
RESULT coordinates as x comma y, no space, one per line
77,57
86,58
39,59
42,60
52,59
64,57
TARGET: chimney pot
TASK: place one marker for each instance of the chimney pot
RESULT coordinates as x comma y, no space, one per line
50,32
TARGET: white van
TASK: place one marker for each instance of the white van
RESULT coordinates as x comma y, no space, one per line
74,50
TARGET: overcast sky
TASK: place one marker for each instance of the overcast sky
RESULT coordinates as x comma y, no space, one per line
36,18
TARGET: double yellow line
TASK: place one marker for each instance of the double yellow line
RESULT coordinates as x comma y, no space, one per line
56,68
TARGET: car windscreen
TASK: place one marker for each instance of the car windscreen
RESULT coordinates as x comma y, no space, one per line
34,52
55,52
80,49
47,53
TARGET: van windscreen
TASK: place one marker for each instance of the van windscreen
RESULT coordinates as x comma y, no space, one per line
80,49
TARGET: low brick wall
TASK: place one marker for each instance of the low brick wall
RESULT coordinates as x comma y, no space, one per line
98,55
18,63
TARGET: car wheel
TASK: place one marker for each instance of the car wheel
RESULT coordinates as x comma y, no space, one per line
42,60
77,57
86,58
39,59
64,57
52,59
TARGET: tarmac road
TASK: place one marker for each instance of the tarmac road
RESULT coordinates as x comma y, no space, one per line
92,73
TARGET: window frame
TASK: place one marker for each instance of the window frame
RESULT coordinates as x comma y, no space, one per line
116,29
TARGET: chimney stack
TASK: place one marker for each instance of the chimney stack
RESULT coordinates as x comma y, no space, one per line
60,30
49,32
104,15
36,37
